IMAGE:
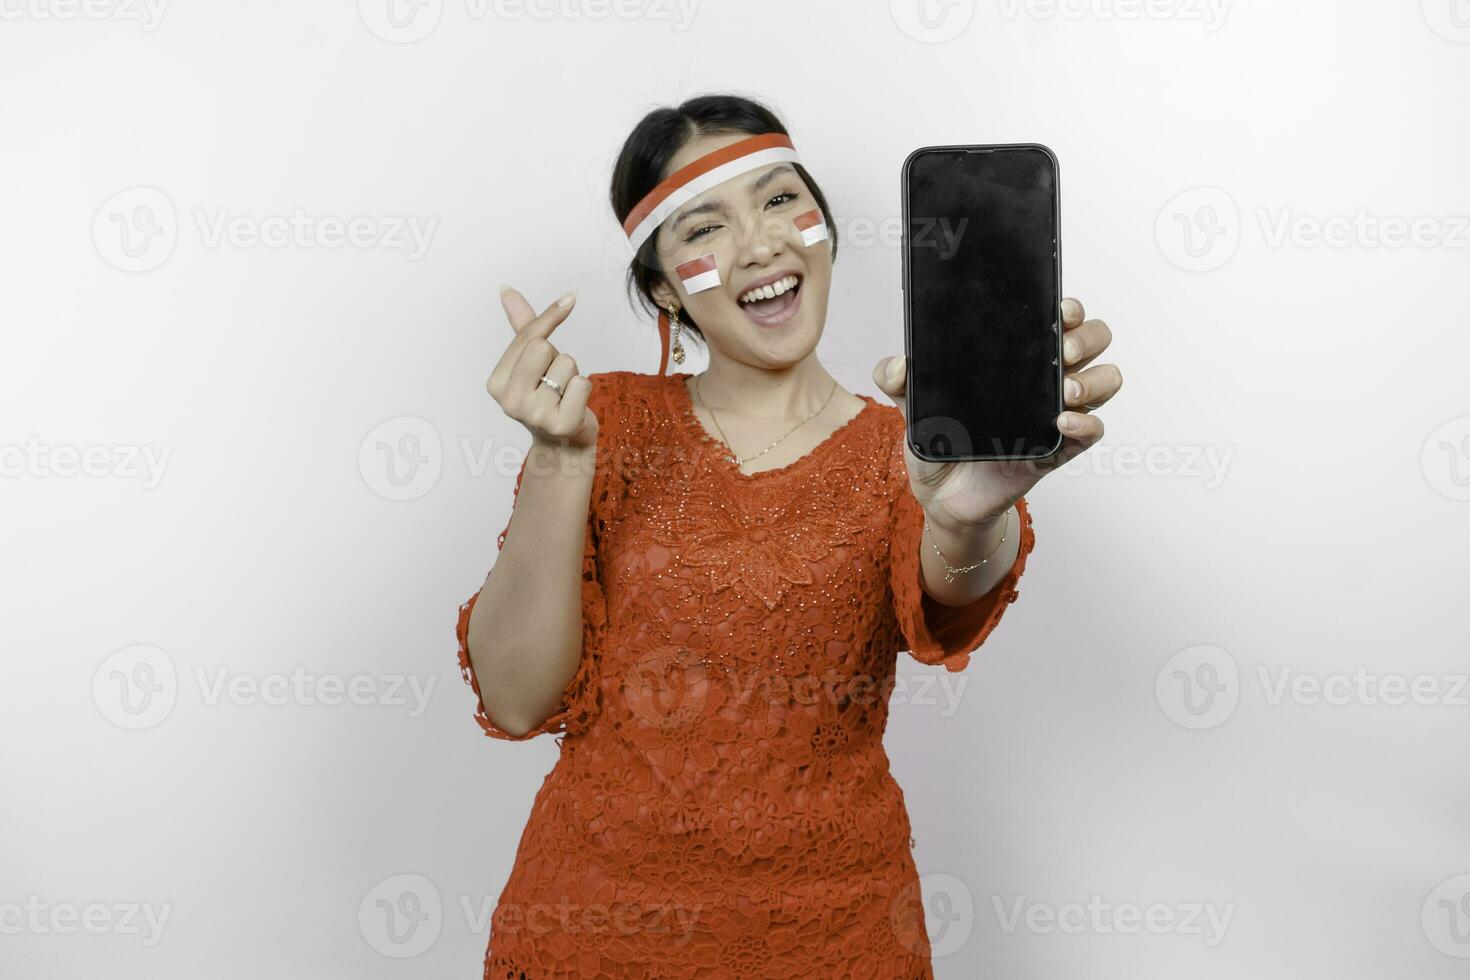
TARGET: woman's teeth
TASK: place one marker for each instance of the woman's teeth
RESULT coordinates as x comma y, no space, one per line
773,305
770,291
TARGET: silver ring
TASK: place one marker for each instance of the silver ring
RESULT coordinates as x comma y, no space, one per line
553,385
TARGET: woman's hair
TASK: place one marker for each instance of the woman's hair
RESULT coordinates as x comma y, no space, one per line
645,157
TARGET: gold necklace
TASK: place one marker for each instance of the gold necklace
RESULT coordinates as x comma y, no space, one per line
732,457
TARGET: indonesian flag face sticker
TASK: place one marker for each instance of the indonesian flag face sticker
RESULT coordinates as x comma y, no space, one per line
699,274
812,227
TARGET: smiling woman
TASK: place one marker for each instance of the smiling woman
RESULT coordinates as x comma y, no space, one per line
706,594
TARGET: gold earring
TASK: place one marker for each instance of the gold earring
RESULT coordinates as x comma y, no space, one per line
677,348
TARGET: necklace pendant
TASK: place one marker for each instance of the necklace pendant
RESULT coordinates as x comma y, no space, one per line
949,576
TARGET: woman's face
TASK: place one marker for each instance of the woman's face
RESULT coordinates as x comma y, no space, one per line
746,223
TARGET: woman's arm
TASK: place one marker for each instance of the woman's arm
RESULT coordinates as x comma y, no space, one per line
524,635
961,497
525,631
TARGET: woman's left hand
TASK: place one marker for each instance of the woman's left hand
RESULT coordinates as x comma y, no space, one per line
961,494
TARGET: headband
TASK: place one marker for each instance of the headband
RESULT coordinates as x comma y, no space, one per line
687,183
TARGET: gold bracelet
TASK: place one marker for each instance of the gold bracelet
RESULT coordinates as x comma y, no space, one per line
949,570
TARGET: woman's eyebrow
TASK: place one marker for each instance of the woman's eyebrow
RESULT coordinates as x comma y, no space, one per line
715,204
771,175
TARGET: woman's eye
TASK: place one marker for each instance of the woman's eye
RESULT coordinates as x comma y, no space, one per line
698,232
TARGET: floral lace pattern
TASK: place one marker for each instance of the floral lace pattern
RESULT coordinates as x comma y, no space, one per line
722,804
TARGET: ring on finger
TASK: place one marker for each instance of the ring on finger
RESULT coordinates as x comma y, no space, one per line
558,375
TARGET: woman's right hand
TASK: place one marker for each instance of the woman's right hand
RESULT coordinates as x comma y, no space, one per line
556,420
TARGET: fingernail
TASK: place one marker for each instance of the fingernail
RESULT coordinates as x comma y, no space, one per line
1074,390
1069,348
892,370
567,299
1069,308
1071,422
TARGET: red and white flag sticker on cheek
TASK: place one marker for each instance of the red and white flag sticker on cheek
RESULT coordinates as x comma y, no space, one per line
699,274
812,226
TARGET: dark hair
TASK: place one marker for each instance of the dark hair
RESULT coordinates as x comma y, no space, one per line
645,157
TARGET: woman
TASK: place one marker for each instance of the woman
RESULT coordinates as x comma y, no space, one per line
705,584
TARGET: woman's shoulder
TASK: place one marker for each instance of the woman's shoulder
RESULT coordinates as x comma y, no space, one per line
611,381
887,428
626,403
614,388
886,413
886,417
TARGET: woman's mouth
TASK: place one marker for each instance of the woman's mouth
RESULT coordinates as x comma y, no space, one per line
773,305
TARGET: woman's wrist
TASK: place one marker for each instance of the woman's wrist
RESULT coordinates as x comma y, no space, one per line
966,548
545,458
961,532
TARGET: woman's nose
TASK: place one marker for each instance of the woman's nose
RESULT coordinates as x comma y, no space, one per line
760,237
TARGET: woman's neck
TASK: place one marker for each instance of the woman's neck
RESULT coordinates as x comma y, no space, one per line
759,394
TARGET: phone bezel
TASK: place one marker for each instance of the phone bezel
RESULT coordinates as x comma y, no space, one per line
904,285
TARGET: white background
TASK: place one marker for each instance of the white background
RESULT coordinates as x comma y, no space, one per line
1200,146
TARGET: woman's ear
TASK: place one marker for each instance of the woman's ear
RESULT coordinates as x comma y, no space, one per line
664,295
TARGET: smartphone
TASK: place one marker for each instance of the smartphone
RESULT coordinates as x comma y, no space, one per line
982,311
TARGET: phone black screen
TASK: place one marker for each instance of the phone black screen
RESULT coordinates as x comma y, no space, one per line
982,311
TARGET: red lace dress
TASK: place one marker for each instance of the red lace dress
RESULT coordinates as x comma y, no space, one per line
722,804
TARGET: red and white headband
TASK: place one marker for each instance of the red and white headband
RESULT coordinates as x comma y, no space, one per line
687,183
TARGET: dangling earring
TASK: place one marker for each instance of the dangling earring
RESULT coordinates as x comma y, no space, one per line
677,348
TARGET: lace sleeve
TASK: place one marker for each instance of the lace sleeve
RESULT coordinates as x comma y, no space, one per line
934,632
579,703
